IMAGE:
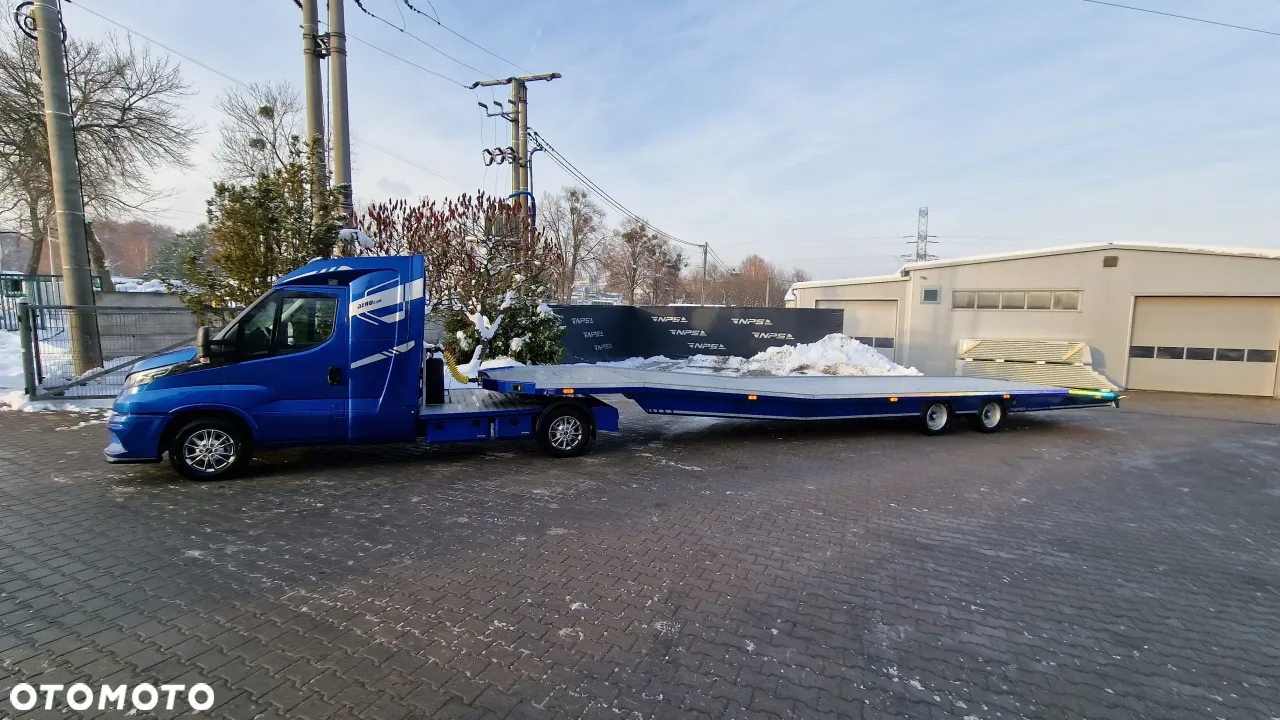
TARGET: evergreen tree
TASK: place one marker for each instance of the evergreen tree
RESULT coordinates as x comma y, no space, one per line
169,258
260,231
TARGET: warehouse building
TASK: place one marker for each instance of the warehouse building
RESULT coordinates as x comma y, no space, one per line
1143,317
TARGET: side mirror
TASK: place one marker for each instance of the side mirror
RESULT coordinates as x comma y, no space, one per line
203,344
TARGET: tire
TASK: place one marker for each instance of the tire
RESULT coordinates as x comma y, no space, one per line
990,418
210,449
564,431
936,418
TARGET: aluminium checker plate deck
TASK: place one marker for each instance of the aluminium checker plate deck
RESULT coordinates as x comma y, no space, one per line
790,397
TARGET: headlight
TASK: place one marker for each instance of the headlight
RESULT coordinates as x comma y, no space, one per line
144,377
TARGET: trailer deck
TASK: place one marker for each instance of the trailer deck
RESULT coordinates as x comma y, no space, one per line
790,397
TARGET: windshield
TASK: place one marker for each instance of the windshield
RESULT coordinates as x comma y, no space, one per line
229,330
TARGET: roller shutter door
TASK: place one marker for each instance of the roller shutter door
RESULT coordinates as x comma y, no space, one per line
874,322
1217,345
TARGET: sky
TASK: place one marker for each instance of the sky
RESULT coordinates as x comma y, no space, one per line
807,132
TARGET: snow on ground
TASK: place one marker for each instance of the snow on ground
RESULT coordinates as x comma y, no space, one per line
11,395
834,354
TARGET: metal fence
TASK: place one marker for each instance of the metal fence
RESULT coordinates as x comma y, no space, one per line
125,335
37,289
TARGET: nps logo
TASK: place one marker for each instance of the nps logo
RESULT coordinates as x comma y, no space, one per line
584,321
706,346
773,336
79,696
751,321
683,331
670,319
593,334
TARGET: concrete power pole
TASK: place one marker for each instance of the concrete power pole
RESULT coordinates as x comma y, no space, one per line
338,99
77,278
313,50
519,118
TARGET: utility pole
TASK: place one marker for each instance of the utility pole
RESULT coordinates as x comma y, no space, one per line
313,50
921,239
705,248
77,278
338,99
519,119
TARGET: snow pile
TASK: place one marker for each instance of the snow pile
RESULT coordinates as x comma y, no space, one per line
10,360
146,286
472,368
354,237
17,400
834,354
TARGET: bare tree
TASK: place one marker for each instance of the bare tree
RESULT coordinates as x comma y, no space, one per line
575,225
124,107
628,258
258,125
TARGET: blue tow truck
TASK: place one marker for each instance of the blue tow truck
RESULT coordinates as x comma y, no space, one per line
335,354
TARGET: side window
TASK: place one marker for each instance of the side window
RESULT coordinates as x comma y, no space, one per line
305,322
257,329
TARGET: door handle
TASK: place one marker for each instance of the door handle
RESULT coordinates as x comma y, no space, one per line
335,375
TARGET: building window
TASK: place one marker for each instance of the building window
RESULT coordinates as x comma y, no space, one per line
1229,355
1039,300
1013,301
1199,353
1110,260
1066,300
931,295
1262,356
1170,353
884,343
868,341
1142,351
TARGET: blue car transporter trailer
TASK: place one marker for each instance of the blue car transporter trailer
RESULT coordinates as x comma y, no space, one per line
334,354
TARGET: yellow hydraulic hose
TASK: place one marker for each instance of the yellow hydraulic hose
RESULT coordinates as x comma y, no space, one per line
453,368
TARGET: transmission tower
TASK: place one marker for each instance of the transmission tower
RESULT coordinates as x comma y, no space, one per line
921,239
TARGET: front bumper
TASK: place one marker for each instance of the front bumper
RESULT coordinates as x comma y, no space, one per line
134,438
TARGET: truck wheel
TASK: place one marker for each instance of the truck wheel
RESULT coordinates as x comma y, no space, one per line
936,418
564,431
209,449
990,418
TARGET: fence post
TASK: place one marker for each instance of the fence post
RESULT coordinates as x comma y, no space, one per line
26,336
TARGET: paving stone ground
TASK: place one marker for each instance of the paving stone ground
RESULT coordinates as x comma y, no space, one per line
1099,564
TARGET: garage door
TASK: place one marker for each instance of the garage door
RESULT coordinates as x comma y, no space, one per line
874,322
1205,345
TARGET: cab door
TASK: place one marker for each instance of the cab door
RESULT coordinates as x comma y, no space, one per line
291,368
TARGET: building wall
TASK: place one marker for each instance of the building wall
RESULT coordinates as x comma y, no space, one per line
930,333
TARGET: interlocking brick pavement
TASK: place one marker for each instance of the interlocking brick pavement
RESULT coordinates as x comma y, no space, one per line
1091,564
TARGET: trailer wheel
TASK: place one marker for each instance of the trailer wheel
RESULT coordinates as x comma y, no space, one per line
210,449
936,418
990,418
564,431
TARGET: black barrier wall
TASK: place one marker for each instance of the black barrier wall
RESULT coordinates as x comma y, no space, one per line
596,333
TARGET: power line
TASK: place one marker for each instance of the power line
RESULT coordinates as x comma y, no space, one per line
247,86
464,38
609,199
1184,17
391,25
411,63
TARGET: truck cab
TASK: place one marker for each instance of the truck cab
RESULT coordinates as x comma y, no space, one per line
332,354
